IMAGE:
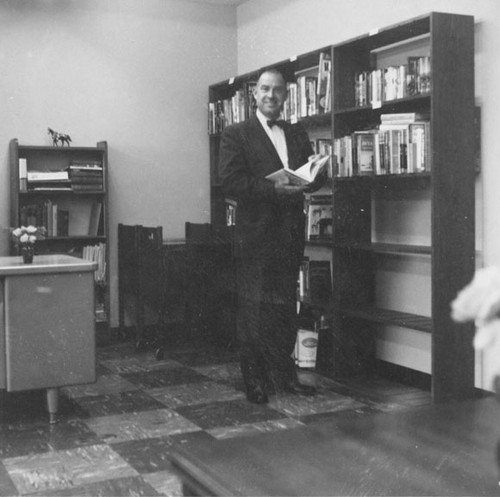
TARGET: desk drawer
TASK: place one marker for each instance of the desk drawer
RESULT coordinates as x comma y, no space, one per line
49,330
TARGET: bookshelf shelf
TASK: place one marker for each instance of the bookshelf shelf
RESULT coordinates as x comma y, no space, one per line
423,196
383,248
397,105
74,213
390,317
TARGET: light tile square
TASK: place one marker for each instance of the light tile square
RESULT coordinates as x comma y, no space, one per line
62,469
197,393
140,425
165,483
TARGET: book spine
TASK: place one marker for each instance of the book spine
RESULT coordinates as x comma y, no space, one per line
23,174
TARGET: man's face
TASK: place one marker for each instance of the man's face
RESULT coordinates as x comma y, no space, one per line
270,94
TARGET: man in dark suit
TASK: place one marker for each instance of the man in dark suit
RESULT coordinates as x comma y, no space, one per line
269,238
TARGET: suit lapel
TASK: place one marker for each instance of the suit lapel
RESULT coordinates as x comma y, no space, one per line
262,138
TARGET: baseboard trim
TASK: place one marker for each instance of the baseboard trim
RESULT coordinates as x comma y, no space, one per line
413,378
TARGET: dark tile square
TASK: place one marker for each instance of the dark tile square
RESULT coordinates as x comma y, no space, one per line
205,357
163,378
19,439
31,407
118,403
146,455
228,413
349,414
116,351
102,370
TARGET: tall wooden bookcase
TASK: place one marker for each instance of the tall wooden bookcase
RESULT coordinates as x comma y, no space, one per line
386,225
75,210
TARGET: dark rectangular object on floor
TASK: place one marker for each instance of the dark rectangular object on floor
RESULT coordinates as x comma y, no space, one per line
446,449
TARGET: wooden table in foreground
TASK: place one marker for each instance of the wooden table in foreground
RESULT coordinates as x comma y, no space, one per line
434,450
47,324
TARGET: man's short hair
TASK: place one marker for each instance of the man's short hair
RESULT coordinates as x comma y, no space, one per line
273,70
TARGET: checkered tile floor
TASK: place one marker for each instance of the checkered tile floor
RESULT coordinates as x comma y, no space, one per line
113,437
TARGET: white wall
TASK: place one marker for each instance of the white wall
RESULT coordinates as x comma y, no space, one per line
134,73
269,32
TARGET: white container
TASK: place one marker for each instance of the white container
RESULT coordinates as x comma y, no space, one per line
306,348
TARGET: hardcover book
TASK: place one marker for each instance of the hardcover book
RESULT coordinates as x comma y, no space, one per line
302,176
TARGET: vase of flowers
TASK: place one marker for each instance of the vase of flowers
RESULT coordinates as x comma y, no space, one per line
25,238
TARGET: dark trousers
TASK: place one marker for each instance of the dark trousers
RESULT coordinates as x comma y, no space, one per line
267,345
267,319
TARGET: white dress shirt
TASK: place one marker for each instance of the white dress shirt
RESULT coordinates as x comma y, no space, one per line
277,136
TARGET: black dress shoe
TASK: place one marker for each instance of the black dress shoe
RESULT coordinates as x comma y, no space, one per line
297,388
257,395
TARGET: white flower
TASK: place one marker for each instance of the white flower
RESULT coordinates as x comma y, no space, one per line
17,232
479,301
24,238
31,229
32,238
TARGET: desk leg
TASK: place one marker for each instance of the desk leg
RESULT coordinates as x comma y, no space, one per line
52,403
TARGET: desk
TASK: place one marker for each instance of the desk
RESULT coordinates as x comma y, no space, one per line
432,450
47,324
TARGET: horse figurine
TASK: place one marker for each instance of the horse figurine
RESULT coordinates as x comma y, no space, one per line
59,137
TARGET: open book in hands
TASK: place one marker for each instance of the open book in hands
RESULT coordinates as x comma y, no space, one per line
304,175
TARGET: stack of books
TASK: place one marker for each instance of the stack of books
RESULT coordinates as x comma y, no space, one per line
86,176
48,180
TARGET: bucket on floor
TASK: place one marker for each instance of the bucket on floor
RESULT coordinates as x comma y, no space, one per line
306,348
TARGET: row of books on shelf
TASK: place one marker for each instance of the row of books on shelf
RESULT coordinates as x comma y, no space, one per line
393,82
315,281
309,95
399,145
78,176
59,220
235,109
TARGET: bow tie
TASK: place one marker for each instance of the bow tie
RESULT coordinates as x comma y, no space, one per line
276,122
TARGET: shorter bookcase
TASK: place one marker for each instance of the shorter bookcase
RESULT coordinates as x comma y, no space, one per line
64,189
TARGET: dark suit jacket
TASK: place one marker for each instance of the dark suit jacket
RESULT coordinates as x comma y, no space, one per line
270,230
